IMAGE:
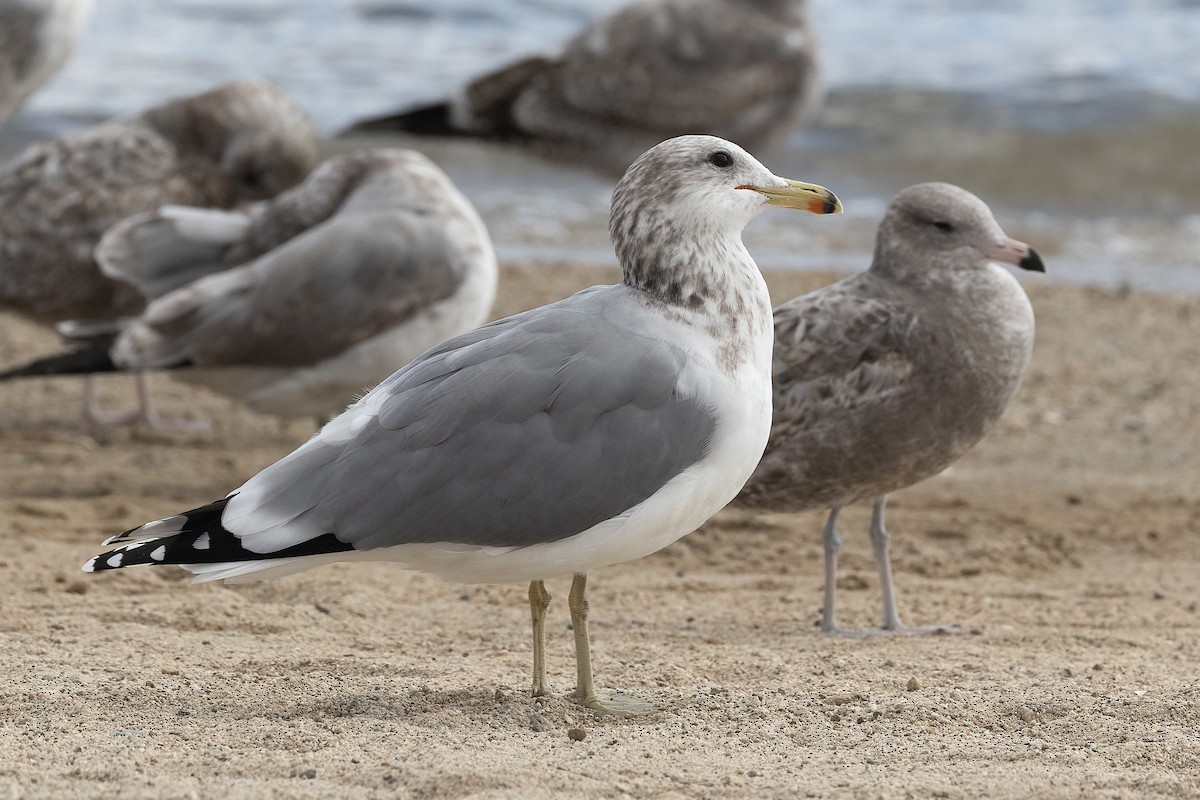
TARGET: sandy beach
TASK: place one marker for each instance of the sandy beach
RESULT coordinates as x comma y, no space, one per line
1066,547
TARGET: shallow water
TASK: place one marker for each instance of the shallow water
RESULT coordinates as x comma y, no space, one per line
1079,121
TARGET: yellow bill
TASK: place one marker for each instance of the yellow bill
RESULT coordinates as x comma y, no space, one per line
810,197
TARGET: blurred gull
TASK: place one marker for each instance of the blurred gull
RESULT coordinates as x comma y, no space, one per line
318,295
887,377
594,430
242,141
36,39
743,69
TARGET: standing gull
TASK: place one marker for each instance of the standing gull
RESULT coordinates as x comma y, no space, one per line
36,39
242,141
743,69
318,295
594,430
887,377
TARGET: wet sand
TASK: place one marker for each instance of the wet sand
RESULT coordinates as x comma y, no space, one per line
1065,545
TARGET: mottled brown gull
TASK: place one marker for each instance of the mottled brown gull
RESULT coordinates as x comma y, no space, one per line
594,430
887,377
301,306
242,141
746,70
36,39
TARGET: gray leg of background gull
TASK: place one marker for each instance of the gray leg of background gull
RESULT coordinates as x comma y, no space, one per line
881,542
833,543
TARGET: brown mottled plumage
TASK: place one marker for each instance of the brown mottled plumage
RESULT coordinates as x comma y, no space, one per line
746,70
887,377
242,141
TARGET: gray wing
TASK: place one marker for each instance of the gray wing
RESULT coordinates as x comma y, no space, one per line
348,280
835,349
159,251
528,430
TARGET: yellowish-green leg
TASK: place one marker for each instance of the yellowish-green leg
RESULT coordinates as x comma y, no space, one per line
585,689
539,602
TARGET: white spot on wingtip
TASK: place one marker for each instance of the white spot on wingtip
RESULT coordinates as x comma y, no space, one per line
159,553
90,565
202,542
115,559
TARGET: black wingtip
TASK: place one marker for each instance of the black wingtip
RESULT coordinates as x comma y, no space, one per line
74,362
196,537
430,120
1032,262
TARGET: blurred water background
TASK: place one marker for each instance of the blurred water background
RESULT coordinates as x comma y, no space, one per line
1077,120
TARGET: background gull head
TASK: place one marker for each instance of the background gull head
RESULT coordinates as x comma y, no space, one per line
940,226
261,139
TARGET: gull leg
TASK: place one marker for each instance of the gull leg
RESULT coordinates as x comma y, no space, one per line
539,602
148,415
145,414
833,543
881,543
93,414
585,690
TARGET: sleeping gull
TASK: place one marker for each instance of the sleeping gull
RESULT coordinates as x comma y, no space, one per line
887,377
317,295
241,141
594,430
36,39
743,69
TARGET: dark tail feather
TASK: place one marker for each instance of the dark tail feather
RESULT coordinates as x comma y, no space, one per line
74,362
430,120
195,537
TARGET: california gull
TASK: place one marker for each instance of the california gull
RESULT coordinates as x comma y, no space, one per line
743,69
887,377
246,140
591,431
36,39
304,304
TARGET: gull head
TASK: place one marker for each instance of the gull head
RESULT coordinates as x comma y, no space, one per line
253,132
942,226
693,186
677,219
270,143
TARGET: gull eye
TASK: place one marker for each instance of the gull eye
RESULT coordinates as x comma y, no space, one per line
945,227
721,159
